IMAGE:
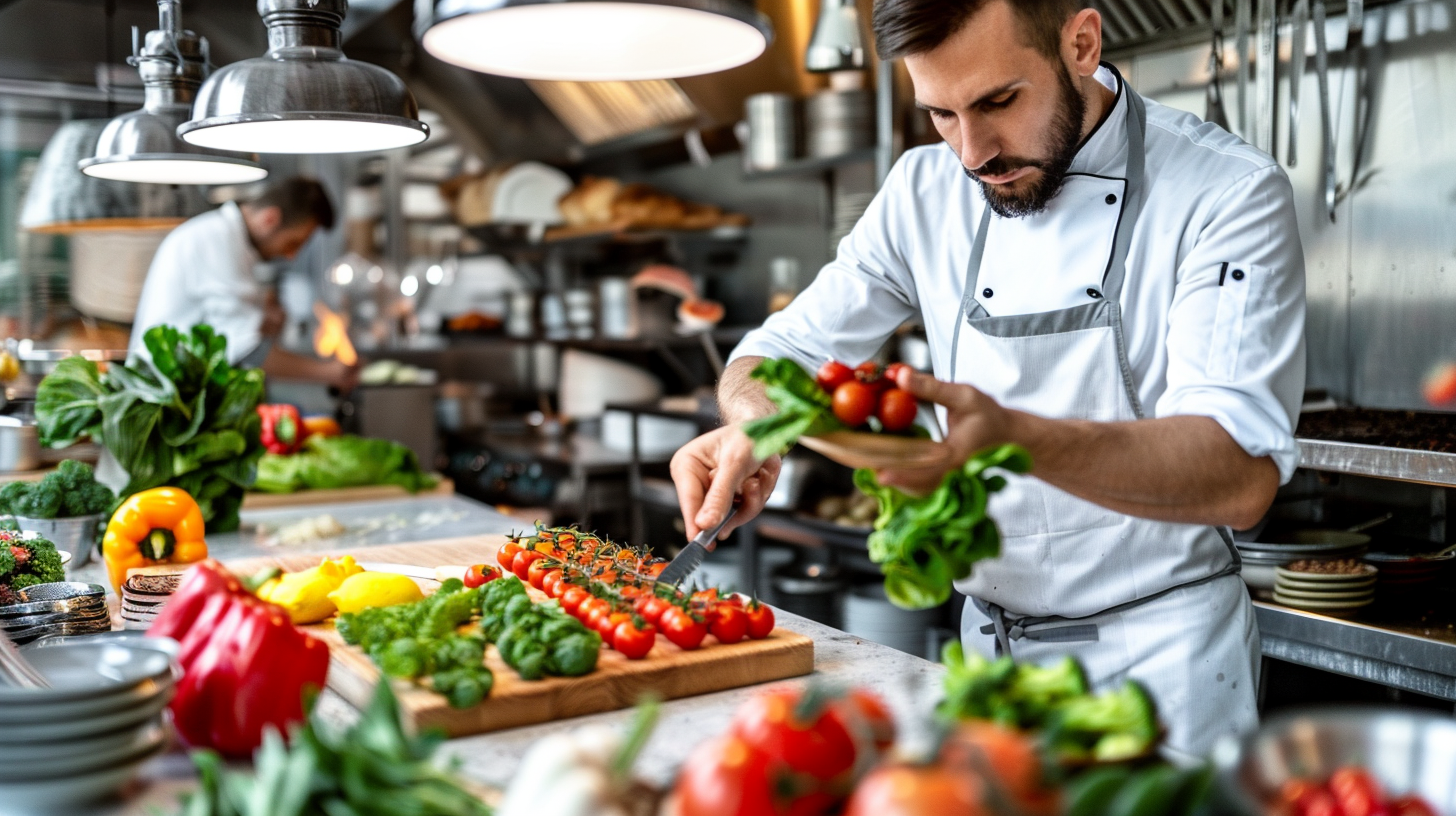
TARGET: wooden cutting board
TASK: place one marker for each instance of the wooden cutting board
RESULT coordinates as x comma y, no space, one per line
617,682
342,495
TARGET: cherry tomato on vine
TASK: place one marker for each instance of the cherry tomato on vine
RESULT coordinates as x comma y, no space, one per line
536,571
553,583
727,623
833,374
632,641
521,564
684,630
760,620
853,403
892,372
572,597
897,409
650,607
507,554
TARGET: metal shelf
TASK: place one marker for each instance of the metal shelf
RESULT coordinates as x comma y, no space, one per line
799,167
1399,464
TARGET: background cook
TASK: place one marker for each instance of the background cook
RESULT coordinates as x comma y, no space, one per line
205,272
1113,284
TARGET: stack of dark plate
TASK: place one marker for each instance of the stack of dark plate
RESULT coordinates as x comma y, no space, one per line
48,610
143,596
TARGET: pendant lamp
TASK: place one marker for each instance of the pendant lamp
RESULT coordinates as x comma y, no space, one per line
62,199
836,44
143,145
594,40
304,96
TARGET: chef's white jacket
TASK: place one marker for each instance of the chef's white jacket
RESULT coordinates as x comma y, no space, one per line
1214,206
205,272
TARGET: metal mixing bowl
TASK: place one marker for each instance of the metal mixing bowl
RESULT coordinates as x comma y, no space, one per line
1408,751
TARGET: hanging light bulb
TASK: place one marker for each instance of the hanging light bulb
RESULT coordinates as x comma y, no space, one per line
142,146
304,96
594,40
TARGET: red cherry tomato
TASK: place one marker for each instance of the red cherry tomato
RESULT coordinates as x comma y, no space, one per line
572,597
853,403
632,641
892,372
1356,792
897,409
650,607
1411,806
521,564
606,626
760,620
728,624
480,574
536,571
833,374
553,583
684,630
590,605
507,554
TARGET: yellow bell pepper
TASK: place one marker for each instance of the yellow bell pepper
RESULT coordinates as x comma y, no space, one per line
158,526
305,594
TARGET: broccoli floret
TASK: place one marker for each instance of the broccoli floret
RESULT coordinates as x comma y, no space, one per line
1114,725
10,494
92,498
42,501
43,566
7,560
71,475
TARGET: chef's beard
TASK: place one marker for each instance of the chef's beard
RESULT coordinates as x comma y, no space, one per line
1066,132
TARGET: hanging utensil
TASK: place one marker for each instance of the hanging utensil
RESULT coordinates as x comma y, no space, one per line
1298,60
1265,76
1243,22
1215,112
1363,69
1322,70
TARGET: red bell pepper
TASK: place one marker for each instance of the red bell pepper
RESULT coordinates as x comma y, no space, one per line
283,429
245,666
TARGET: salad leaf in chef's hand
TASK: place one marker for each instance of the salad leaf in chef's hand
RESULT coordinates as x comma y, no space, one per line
924,544
805,409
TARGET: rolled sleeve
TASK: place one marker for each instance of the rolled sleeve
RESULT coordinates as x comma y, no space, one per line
1236,327
855,302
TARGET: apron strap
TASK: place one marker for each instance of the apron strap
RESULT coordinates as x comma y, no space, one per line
1008,627
968,297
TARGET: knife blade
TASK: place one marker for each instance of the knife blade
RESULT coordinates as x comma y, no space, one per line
691,557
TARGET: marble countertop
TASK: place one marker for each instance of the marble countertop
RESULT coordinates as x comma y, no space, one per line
909,684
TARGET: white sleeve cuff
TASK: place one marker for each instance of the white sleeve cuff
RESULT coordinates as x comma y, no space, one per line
1258,432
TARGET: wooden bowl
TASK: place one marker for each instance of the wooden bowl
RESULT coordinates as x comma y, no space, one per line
857,449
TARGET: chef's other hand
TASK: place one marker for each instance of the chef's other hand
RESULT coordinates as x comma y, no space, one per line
711,469
974,422
343,377
273,316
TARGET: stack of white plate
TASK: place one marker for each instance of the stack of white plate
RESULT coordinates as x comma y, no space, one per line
83,738
1336,594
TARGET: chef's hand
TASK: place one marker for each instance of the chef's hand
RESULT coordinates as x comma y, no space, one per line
274,316
711,469
974,422
342,377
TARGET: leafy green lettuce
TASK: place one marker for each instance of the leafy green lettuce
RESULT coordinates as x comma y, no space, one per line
342,461
924,544
805,409
184,418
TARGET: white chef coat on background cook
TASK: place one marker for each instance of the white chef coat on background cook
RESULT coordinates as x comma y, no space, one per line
205,272
1212,323
1211,200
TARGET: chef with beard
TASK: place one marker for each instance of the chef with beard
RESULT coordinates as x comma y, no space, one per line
1112,284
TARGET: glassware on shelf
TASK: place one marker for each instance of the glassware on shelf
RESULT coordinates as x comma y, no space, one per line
783,282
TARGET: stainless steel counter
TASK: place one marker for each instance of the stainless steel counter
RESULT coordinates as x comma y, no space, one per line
1422,662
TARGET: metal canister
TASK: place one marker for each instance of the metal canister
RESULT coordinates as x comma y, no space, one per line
772,131
838,122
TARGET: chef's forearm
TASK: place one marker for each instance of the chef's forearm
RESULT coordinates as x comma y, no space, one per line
1180,469
740,397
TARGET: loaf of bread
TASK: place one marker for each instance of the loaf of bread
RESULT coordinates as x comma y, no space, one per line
590,202
603,202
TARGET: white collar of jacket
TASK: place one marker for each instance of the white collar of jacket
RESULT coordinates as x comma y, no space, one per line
232,214
1105,151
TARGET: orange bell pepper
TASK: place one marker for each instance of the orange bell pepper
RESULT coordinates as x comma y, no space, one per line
159,526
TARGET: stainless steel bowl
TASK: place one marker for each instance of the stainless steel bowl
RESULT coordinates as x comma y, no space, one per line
1408,751
19,445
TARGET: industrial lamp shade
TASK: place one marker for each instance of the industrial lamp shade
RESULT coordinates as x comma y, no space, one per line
142,145
304,96
62,199
595,40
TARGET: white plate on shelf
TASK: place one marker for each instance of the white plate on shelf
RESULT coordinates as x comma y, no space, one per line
528,194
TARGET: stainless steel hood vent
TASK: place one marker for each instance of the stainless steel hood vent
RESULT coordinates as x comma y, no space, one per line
598,112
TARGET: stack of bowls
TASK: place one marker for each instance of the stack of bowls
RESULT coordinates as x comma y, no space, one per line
838,122
1262,559
85,736
1336,593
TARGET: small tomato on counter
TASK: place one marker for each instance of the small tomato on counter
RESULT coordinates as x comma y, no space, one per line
479,575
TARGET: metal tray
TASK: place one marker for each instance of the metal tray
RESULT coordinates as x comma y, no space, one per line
1399,464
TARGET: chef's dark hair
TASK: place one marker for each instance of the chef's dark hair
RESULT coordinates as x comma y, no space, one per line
299,199
907,27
